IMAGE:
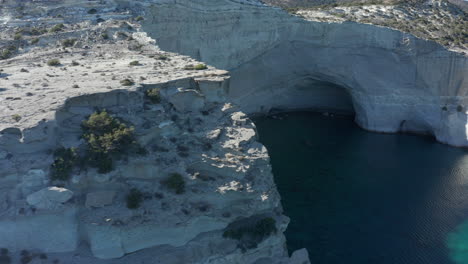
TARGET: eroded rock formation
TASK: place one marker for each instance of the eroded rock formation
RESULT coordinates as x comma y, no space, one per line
397,82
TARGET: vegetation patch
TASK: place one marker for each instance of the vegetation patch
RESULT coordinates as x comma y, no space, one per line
92,11
57,28
154,95
134,63
175,182
5,54
53,62
107,139
16,117
64,161
134,199
69,42
127,82
197,67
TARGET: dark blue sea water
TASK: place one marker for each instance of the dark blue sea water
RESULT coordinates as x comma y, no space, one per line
358,197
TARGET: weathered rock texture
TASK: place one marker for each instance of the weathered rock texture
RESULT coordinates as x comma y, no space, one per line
190,129
396,81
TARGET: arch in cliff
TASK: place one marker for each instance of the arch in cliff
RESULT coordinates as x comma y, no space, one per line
392,77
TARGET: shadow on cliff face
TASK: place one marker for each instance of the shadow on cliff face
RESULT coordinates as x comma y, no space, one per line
308,93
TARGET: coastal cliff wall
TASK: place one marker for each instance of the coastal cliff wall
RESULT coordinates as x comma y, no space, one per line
396,82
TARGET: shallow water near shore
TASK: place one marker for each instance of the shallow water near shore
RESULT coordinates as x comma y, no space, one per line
360,197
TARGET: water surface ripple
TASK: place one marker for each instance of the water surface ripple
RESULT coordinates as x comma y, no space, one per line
360,197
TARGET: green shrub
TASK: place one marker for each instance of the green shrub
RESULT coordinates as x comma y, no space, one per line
34,41
134,199
53,62
105,36
175,182
16,117
107,138
134,63
64,161
197,67
127,82
154,95
139,18
57,28
200,67
18,36
92,11
5,54
68,42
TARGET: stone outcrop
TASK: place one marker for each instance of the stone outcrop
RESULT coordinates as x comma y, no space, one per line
393,81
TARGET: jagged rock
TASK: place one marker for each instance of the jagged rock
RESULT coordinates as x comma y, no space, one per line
49,198
99,199
187,100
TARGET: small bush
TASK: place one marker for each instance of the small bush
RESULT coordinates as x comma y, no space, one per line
69,42
57,28
92,11
134,63
175,182
162,57
18,36
34,41
197,67
134,199
127,82
107,138
154,95
16,117
5,54
75,63
105,36
139,18
64,161
459,108
53,62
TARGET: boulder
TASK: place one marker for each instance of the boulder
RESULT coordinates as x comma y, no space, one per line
187,100
99,199
300,256
49,198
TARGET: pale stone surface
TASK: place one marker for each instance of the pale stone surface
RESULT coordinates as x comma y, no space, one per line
49,198
394,81
187,100
99,199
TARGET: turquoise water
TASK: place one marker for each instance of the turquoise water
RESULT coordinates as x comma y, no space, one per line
360,197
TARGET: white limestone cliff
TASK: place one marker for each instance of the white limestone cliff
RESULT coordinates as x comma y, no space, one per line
392,80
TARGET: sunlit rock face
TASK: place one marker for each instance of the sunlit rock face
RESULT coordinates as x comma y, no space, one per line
397,82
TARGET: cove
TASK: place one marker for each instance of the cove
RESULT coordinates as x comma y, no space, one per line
360,197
